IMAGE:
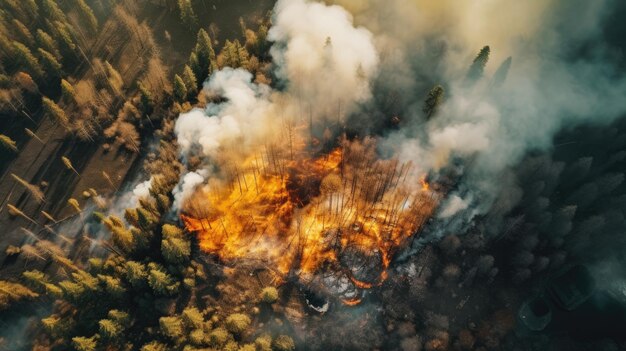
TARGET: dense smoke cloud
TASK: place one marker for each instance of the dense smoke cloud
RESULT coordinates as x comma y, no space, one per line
562,75
324,61
327,64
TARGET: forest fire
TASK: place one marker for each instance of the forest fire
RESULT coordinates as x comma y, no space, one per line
343,210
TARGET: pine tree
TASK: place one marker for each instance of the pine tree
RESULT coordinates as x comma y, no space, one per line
64,37
187,15
136,273
23,32
50,63
8,143
195,66
206,55
110,329
57,326
113,286
25,57
72,292
478,66
82,343
192,318
147,100
52,11
46,42
161,282
11,293
87,15
30,6
189,79
180,90
54,111
433,101
171,327
175,249
67,90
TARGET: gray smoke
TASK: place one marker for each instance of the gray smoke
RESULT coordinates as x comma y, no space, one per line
561,75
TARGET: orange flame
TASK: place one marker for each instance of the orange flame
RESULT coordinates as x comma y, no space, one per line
296,214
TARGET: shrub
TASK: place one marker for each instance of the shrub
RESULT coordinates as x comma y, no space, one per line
269,295
237,323
284,343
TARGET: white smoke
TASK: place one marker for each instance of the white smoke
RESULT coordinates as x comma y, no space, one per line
323,57
244,117
187,185
454,204
326,65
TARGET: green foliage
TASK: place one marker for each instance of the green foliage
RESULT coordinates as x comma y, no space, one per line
247,347
123,238
180,89
193,318
187,15
163,203
8,143
234,55
161,282
478,66
57,326
146,219
172,327
237,323
136,273
50,63
64,37
87,15
120,317
67,90
112,285
53,290
231,346
195,65
11,293
263,343
110,329
88,281
218,337
23,32
147,100
95,264
207,61
189,79
26,59
52,11
82,343
54,111
283,343
433,101
46,42
269,295
72,292
154,346
175,249
35,277
196,336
